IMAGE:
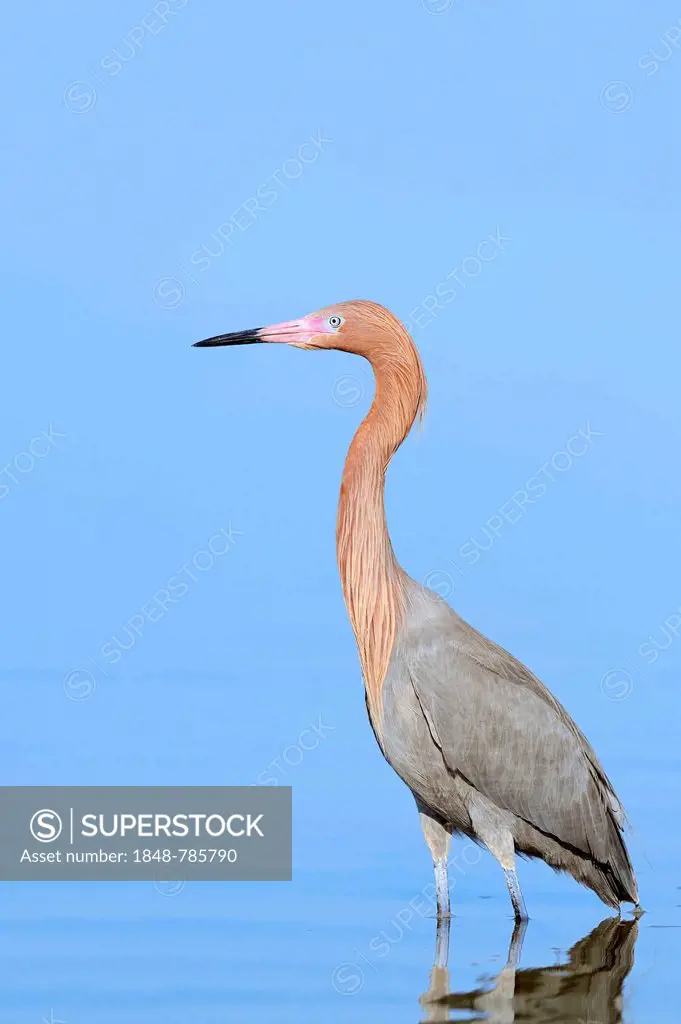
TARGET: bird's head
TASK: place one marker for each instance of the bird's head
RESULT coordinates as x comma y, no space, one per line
361,327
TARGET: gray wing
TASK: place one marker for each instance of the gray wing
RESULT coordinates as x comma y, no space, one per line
506,735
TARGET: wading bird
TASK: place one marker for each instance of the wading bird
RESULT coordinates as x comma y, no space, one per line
484,747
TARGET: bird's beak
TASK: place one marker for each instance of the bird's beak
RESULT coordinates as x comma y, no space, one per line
292,332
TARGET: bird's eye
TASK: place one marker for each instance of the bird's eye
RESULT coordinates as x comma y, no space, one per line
335,321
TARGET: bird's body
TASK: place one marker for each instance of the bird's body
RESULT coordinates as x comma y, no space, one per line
484,747
489,752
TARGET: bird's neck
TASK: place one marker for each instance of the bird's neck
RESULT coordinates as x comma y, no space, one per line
370,574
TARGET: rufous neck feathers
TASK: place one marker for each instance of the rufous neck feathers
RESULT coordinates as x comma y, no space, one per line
370,574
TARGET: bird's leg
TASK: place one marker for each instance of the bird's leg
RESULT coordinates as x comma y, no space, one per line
491,826
517,900
437,838
442,887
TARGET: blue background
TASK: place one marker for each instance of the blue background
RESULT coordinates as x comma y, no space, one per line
445,123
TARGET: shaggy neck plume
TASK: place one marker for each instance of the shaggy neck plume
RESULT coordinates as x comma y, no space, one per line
370,574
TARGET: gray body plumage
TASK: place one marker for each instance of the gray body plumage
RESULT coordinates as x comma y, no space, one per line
489,752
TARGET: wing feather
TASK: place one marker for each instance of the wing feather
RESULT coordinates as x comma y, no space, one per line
502,730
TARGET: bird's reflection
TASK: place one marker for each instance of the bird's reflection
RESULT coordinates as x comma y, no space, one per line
587,989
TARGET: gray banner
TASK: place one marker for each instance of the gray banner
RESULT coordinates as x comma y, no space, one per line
145,833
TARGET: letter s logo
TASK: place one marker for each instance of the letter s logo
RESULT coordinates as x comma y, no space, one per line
46,826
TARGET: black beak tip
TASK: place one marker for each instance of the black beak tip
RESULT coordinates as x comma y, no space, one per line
236,338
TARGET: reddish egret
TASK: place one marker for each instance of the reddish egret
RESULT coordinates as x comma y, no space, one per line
484,747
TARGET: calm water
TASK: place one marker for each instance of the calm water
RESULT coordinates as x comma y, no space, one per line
327,950
351,938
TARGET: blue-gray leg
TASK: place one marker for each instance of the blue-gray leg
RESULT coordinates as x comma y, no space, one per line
492,826
442,886
437,838
517,900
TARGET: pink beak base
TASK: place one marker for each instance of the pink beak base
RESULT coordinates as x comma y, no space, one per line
288,332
